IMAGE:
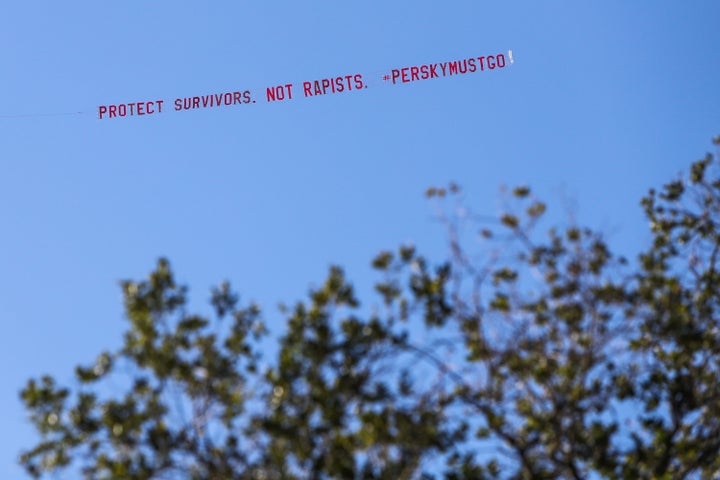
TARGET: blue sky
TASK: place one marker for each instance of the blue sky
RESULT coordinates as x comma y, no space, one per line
604,100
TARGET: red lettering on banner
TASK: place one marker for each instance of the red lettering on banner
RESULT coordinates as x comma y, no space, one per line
332,85
187,103
213,100
129,109
278,93
444,69
414,73
471,65
322,86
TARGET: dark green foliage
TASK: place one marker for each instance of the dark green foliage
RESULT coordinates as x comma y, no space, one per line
538,357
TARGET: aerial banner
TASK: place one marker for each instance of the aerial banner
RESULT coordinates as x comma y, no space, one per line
346,83
291,91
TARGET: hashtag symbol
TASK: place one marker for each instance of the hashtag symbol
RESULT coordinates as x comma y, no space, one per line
386,77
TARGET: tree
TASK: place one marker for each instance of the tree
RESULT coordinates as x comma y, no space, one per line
526,357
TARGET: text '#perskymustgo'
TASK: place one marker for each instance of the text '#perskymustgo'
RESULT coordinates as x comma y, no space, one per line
446,69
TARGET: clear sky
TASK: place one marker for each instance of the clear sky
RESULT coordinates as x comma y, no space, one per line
603,100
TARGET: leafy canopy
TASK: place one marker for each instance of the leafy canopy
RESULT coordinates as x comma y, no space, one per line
520,356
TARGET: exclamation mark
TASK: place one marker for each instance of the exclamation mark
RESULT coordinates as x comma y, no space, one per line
510,55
